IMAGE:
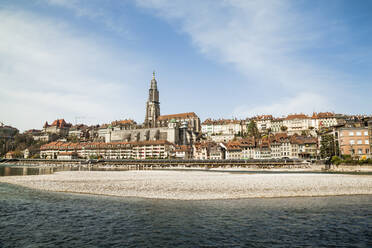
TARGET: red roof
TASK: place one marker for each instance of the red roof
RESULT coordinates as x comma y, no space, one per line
263,117
123,122
323,115
220,122
178,116
60,123
297,116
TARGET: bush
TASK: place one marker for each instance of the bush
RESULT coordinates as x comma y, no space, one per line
346,157
37,155
336,160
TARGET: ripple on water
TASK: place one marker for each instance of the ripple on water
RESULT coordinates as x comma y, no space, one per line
31,218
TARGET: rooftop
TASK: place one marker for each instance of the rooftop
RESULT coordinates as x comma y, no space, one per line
178,116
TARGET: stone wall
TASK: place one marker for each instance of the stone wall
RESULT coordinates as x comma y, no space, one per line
159,133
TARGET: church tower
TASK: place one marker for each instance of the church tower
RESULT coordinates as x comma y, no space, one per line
153,104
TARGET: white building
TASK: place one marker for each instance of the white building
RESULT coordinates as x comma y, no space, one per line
222,127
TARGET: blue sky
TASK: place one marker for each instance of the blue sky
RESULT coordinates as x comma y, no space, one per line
94,59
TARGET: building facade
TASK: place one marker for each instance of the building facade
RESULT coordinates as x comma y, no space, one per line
354,141
114,150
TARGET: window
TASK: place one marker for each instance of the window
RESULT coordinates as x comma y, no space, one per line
360,151
351,133
352,142
359,142
365,133
366,142
359,133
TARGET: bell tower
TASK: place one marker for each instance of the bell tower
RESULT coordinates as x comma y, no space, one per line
153,104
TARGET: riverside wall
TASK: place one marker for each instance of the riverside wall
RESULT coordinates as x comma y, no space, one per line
190,164
169,164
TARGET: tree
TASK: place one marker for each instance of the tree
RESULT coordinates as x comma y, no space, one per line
304,133
283,128
269,131
252,130
328,147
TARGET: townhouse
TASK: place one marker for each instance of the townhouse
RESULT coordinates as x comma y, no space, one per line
221,127
112,150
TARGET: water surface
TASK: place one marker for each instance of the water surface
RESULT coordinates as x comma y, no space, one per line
31,218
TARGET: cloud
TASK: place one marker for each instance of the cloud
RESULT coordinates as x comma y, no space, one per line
49,70
271,43
96,11
306,101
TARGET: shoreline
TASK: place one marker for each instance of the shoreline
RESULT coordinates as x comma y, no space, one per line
259,167
176,199
196,185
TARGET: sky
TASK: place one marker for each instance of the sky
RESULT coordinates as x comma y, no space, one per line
91,61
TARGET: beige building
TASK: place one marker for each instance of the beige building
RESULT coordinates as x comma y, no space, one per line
221,127
297,123
355,141
59,126
281,147
190,120
217,151
263,122
201,150
182,152
113,150
276,125
233,150
326,119
248,148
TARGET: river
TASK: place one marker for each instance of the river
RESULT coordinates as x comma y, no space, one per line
31,218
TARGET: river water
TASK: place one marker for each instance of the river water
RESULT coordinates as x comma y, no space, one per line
31,218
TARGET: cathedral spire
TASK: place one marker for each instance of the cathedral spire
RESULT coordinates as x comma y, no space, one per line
153,82
153,105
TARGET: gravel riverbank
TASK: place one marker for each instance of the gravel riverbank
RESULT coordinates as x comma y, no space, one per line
196,185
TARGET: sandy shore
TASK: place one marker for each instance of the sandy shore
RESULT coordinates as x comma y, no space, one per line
195,185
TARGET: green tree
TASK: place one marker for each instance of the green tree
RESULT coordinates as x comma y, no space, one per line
252,130
336,160
304,133
283,128
328,147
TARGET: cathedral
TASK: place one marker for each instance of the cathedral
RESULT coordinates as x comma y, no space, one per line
152,105
180,129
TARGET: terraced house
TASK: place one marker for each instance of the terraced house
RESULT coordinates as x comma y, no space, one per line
112,150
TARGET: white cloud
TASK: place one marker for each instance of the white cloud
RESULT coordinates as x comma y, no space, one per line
307,102
266,41
49,70
95,11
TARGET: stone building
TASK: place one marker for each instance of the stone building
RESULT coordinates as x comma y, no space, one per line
58,127
180,129
152,105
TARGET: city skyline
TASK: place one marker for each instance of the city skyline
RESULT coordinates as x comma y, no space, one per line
68,59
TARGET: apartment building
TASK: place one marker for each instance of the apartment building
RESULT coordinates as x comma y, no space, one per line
221,127
355,141
113,150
